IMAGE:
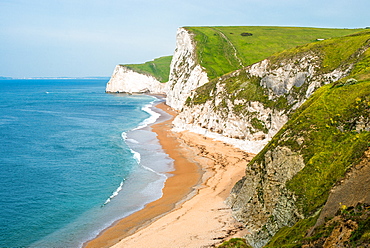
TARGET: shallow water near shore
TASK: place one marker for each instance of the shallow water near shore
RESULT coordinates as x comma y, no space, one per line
73,160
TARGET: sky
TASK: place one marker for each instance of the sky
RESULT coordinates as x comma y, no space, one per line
85,38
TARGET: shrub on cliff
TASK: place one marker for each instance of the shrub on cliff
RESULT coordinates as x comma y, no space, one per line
234,243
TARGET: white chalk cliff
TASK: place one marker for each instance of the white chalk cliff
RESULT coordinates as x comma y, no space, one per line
250,129
185,74
125,80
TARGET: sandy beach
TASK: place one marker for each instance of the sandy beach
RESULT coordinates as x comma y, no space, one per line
191,212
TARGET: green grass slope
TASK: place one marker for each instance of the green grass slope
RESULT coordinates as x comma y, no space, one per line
332,126
333,142
327,124
330,130
221,50
159,68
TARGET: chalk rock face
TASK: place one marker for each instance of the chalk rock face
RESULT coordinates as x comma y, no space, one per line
231,127
185,73
249,125
125,80
261,198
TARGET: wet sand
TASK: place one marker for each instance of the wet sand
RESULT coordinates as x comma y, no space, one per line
177,187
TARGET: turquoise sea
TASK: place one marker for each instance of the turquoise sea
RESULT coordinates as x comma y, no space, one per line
73,160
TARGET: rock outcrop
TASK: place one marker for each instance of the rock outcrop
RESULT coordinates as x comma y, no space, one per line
125,80
261,200
186,74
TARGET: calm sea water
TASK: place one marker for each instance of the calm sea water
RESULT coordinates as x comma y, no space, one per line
73,160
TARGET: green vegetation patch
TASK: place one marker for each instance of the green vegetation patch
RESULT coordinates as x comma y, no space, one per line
203,93
360,214
234,243
328,126
357,219
292,236
158,68
221,50
332,141
339,50
242,86
335,52
361,70
259,125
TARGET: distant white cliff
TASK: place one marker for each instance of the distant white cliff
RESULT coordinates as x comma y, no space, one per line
125,80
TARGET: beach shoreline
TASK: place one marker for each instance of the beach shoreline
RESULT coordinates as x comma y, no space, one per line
178,187
192,211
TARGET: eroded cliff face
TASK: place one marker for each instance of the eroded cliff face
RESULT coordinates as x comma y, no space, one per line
290,180
261,200
185,74
125,80
225,109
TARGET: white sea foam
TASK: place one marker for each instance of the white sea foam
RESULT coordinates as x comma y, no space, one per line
132,141
115,193
151,170
137,156
132,144
126,139
150,120
124,135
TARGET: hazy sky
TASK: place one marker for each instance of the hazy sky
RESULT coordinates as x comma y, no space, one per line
89,37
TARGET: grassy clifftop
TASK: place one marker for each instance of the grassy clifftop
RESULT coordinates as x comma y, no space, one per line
159,68
336,53
221,50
